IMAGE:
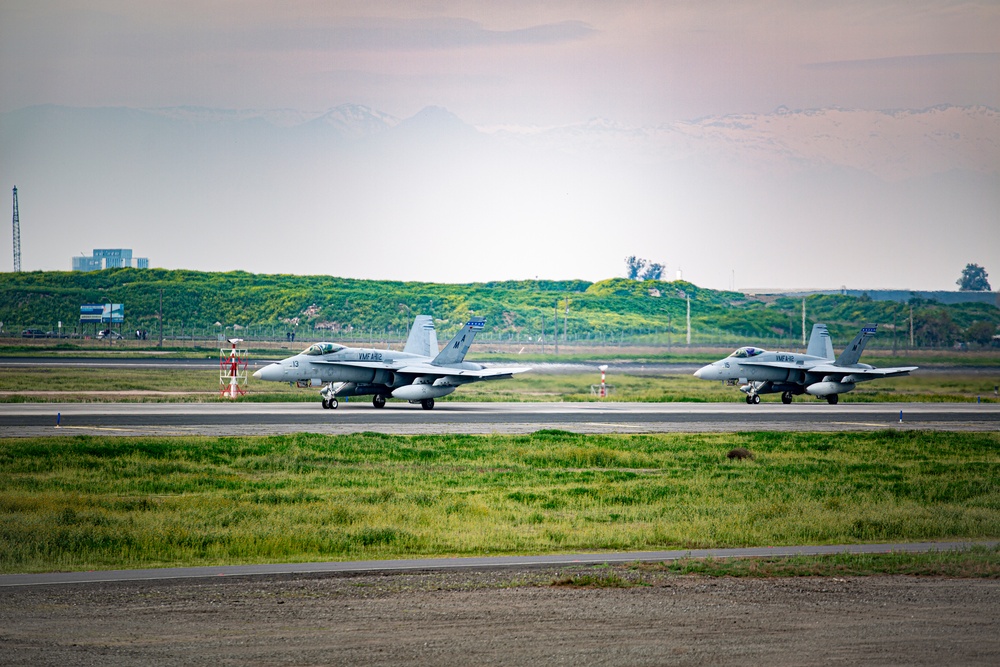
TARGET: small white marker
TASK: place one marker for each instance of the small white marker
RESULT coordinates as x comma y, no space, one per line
900,416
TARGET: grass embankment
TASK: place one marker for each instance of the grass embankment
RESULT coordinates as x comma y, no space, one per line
187,385
89,503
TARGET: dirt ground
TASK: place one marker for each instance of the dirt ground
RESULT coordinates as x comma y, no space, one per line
504,617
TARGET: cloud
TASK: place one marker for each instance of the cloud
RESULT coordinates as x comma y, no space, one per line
910,62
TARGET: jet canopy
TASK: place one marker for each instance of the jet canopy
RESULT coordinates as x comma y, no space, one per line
319,349
745,352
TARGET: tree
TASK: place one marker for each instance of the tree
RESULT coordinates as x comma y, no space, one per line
980,332
654,271
633,265
974,279
637,268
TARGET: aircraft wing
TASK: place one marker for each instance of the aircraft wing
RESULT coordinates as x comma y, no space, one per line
862,373
483,374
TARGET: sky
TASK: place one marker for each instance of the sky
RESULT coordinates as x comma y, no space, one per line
521,64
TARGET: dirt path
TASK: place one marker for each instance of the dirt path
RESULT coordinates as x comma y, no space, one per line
504,617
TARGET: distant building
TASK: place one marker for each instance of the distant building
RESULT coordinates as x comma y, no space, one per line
109,258
86,264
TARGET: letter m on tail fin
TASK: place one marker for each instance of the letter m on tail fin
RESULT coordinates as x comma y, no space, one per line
852,352
454,352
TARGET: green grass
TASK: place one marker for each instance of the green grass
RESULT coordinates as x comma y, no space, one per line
94,503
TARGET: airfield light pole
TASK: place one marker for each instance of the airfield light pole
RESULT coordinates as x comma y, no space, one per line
233,370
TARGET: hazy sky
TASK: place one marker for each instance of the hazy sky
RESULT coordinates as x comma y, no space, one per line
503,62
509,64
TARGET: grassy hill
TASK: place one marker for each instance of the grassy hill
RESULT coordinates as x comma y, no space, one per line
617,308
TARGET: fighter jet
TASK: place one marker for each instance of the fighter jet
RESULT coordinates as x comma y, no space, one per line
816,372
418,374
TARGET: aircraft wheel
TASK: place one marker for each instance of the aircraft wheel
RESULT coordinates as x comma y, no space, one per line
427,404
326,404
786,397
749,399
756,399
832,399
378,400
333,403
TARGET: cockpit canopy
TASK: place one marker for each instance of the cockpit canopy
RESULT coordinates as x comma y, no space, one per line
745,352
319,349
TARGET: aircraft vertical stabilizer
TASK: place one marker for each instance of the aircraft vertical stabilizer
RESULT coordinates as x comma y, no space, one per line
853,351
820,343
422,339
454,352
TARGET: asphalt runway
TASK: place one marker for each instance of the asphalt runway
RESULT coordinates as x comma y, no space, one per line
245,418
475,562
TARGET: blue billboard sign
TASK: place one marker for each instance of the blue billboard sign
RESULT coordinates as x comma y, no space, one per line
113,313
92,313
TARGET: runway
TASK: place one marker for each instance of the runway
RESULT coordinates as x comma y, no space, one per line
238,418
472,562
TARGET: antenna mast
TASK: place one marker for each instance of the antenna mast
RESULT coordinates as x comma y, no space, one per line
17,236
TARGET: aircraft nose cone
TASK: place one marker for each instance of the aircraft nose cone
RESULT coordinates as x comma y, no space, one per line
269,372
701,372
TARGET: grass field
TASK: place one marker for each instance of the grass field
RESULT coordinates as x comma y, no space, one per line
166,384
92,503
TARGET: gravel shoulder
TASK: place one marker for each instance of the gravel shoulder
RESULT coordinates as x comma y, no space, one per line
504,617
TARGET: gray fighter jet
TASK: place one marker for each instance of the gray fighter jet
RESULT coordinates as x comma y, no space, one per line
816,372
418,374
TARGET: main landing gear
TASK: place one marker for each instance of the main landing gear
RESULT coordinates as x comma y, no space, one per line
753,399
330,404
832,399
378,400
786,397
427,404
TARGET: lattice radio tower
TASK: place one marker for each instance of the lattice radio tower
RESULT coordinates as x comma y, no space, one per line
17,235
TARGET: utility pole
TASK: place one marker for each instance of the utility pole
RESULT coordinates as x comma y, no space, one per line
911,326
803,322
17,236
159,316
565,317
689,322
555,324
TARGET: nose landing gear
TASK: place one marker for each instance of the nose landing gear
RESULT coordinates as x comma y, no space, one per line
753,399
